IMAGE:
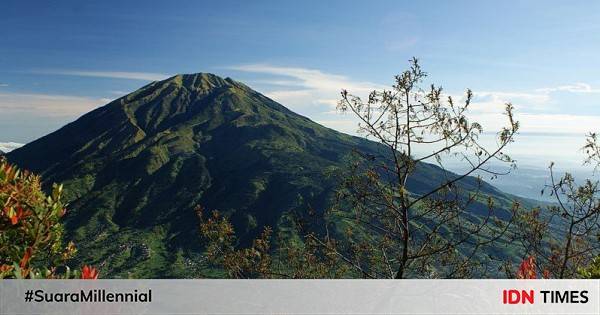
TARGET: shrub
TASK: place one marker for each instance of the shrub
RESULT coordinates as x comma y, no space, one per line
31,235
592,271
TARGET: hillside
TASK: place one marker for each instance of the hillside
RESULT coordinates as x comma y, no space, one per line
135,169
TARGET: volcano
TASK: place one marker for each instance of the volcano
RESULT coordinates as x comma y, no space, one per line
135,169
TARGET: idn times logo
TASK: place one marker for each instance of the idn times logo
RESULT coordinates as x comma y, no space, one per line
515,296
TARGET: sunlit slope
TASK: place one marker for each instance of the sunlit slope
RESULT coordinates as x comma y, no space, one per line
135,169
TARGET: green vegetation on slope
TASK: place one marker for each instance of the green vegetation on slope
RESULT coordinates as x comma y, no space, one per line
136,168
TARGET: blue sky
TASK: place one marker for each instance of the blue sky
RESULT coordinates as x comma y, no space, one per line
59,60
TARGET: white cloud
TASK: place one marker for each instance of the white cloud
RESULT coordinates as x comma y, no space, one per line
573,88
535,111
311,92
494,102
348,125
280,82
117,92
534,98
537,100
291,96
559,123
48,105
143,76
303,87
3,85
309,78
9,146
542,123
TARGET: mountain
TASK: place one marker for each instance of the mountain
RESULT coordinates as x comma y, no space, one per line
135,169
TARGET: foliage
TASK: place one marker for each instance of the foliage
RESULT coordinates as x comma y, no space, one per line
592,271
528,270
89,273
381,227
31,235
433,233
260,260
134,169
564,237
246,263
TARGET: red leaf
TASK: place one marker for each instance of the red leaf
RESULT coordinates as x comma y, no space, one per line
527,269
25,260
88,272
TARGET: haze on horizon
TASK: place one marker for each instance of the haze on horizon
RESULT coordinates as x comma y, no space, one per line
61,60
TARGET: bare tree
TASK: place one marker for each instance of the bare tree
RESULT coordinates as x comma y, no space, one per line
432,233
565,238
380,227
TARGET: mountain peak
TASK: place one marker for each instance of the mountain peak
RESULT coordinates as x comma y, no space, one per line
200,81
135,169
